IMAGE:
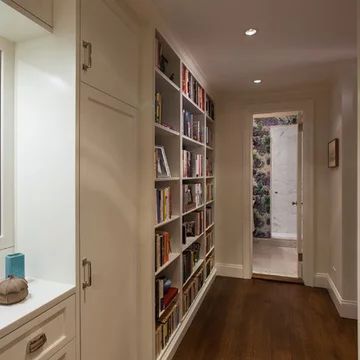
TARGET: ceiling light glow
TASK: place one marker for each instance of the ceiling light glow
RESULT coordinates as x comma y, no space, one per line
257,81
250,32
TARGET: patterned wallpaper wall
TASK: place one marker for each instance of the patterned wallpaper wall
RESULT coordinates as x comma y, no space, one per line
262,171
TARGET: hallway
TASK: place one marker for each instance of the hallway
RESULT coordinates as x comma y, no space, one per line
263,320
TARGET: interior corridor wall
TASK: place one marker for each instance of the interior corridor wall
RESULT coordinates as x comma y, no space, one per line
233,170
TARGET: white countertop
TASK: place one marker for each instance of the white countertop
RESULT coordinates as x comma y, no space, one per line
42,296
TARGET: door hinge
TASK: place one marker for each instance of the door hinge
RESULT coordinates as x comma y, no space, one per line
300,257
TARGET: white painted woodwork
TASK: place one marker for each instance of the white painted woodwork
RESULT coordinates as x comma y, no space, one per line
58,324
38,11
45,147
42,296
115,46
66,353
108,225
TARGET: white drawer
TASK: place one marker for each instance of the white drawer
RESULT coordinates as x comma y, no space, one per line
57,324
66,353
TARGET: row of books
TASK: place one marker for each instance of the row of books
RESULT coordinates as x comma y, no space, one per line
209,191
192,196
163,204
210,108
158,108
192,88
192,164
190,257
208,136
166,327
165,294
209,167
192,289
209,264
193,225
209,241
162,248
192,126
209,215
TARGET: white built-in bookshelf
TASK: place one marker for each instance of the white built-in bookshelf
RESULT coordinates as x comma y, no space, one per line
184,252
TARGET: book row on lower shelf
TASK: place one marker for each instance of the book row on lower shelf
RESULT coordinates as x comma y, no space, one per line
192,126
192,196
166,327
209,191
163,204
209,241
193,225
209,215
192,289
192,164
191,256
165,294
162,248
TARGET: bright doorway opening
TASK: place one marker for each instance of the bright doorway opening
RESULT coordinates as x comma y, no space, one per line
277,169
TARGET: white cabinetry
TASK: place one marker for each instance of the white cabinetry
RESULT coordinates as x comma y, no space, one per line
110,50
35,9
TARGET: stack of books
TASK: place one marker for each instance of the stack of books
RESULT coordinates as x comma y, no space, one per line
163,204
192,196
191,126
166,327
193,225
209,191
164,295
209,167
162,248
209,216
208,136
192,88
192,289
190,257
209,241
210,108
192,164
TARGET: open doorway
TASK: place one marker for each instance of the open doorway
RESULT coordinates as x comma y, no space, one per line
277,195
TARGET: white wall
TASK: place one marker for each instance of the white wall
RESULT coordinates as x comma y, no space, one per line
233,168
284,181
45,149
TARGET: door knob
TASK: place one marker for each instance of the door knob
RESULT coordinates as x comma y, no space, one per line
294,203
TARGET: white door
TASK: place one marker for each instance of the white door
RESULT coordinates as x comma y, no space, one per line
110,45
299,201
108,223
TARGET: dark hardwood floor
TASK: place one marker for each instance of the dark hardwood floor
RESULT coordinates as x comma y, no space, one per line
263,320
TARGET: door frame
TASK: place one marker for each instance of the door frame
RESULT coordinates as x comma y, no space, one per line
305,107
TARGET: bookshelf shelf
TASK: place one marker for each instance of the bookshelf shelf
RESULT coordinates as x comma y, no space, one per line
209,252
210,226
178,122
172,258
173,218
167,179
189,105
194,209
195,269
191,240
190,141
164,130
163,77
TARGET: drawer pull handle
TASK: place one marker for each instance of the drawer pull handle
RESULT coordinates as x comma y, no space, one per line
36,343
88,55
87,264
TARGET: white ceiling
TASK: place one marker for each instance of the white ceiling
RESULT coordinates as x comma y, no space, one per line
299,41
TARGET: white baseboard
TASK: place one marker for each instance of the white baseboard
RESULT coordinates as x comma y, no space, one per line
230,270
346,308
283,236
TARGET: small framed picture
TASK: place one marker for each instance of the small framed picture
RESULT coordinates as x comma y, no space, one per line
161,163
333,153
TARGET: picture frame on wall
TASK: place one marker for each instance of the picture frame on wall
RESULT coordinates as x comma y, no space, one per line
161,163
333,153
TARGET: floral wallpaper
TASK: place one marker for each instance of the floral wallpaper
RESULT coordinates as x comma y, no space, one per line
262,171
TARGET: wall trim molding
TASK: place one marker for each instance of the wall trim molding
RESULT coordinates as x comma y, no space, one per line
230,270
346,308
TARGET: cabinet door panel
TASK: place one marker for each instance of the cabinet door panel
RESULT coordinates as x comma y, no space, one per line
108,223
115,49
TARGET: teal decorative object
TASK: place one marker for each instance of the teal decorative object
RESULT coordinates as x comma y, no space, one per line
15,265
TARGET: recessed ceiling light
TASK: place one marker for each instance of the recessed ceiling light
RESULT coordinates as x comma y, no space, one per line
257,81
250,32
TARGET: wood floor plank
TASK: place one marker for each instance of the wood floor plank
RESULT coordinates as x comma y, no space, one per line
267,320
